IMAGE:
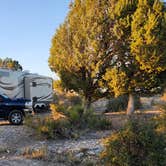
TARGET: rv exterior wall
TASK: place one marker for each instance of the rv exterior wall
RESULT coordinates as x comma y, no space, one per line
38,88
12,83
22,84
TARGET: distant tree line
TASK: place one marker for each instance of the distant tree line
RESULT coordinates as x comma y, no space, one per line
111,47
9,63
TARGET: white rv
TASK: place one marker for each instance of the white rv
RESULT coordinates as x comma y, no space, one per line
22,84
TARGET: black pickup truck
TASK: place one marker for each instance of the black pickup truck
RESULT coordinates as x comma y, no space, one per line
14,110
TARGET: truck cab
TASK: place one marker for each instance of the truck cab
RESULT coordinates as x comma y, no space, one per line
14,110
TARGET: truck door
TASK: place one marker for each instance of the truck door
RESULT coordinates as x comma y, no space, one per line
2,107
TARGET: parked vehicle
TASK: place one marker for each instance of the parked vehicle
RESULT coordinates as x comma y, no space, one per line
22,84
14,110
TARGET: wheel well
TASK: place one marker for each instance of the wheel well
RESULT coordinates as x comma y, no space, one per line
40,105
18,110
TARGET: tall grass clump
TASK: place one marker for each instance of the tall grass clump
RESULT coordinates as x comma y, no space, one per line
136,144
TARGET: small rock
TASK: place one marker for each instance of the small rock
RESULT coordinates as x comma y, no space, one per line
3,157
79,155
95,151
92,153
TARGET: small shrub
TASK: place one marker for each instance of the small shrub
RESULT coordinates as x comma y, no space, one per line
98,122
137,144
75,115
120,103
39,154
160,122
63,125
55,98
87,120
101,123
62,109
54,128
75,100
49,127
54,113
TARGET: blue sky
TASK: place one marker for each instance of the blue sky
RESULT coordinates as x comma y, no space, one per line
26,30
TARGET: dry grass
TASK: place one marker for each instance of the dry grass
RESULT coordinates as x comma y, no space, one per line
54,114
39,154
119,119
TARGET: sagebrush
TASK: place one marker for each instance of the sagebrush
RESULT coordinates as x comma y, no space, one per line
138,144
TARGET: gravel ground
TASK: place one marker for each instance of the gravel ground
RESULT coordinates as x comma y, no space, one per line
15,139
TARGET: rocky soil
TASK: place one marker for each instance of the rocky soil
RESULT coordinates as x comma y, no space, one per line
17,141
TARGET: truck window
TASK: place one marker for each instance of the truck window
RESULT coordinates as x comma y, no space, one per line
1,99
34,84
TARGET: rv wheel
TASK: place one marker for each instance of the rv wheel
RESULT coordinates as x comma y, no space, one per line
16,117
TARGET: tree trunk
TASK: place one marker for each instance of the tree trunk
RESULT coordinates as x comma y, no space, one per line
130,107
87,104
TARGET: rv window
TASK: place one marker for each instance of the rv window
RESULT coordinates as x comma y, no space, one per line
34,84
4,74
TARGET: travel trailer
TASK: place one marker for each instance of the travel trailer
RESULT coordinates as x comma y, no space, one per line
22,84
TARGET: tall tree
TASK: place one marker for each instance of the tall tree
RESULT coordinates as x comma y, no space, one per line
111,40
139,46
9,63
121,77
80,47
149,36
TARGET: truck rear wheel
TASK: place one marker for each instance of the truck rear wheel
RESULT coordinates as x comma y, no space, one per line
16,117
